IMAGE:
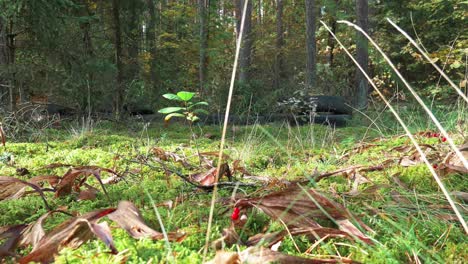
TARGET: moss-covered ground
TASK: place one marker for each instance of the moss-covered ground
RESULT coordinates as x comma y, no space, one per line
421,225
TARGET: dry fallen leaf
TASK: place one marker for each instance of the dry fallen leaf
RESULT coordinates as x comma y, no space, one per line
128,217
298,208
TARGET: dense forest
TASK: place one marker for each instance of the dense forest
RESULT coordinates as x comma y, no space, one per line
344,137
123,55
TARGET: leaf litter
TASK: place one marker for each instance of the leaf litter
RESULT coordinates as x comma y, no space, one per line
297,208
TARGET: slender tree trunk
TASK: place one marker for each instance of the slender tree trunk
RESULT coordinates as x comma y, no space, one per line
279,44
331,42
362,55
203,63
311,72
7,58
151,39
246,47
119,93
134,33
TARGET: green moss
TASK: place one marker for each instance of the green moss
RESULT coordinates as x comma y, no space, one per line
275,151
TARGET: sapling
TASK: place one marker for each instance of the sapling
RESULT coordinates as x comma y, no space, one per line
187,109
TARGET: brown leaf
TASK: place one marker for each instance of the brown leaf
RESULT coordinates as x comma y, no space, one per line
57,165
453,163
11,188
271,239
10,235
88,194
166,156
463,196
208,178
396,179
253,255
224,257
34,232
71,233
128,217
296,207
103,232
68,181
238,168
53,180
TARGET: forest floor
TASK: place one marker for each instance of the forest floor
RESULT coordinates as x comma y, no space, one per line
378,177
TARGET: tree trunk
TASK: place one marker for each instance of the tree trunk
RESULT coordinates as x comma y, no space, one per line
331,41
203,63
119,94
311,74
279,44
246,45
362,55
7,58
133,30
151,39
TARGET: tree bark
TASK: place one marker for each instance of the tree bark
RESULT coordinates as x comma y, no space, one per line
7,58
134,33
311,71
245,52
279,44
151,39
119,94
203,63
362,55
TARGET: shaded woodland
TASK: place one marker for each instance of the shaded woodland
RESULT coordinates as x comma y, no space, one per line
120,56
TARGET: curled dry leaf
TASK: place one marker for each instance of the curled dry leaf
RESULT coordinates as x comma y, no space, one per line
10,235
167,156
237,167
71,233
229,238
453,163
88,194
208,178
259,255
128,217
69,180
11,188
270,239
298,208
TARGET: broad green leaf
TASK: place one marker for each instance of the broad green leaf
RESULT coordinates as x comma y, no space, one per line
169,110
199,103
185,96
169,116
171,96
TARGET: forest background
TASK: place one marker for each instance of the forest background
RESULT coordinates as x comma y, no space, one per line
122,55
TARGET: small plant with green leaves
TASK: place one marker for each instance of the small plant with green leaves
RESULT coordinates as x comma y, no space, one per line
187,109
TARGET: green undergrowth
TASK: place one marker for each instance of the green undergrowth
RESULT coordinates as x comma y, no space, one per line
422,226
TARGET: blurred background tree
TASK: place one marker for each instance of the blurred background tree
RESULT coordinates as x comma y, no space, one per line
122,55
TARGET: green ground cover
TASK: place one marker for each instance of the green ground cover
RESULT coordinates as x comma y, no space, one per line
411,220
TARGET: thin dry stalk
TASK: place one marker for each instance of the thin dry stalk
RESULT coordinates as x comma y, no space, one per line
408,133
416,96
223,136
459,91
